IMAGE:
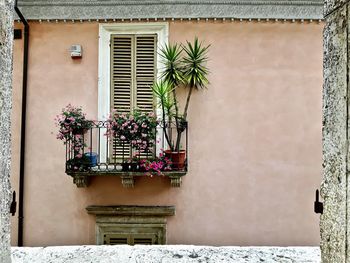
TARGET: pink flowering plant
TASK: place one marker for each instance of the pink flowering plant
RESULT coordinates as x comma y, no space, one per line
137,129
72,123
156,165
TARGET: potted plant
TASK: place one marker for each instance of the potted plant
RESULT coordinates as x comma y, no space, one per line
72,124
79,163
72,121
156,165
184,67
137,129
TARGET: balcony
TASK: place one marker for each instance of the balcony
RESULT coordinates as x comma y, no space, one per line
92,153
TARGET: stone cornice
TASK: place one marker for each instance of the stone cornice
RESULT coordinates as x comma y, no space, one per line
168,9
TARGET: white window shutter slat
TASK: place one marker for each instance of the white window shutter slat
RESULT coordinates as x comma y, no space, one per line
145,71
121,72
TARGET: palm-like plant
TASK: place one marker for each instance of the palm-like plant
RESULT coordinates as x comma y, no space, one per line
195,72
162,89
188,70
172,72
171,58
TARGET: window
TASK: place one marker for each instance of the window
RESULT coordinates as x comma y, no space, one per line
132,239
131,225
133,71
125,85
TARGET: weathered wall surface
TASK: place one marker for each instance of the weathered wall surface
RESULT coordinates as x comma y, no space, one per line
334,190
165,254
6,49
255,138
16,125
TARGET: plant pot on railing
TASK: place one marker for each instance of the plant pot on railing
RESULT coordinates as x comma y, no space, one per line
92,156
130,167
177,158
79,164
125,167
79,131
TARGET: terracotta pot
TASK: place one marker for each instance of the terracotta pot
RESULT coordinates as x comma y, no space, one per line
178,158
167,153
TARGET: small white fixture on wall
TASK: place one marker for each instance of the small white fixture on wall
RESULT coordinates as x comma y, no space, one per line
75,51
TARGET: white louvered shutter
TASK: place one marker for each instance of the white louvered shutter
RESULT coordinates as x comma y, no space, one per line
121,72
145,76
133,71
145,71
121,86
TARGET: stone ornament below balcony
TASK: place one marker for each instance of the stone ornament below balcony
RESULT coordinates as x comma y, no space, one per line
81,181
128,181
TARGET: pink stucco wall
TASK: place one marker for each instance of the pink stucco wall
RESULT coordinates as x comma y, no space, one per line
255,138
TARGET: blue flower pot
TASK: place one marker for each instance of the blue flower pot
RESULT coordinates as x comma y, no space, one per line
93,158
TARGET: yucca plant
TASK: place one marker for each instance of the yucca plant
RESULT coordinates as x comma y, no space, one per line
173,74
184,65
161,90
172,60
195,72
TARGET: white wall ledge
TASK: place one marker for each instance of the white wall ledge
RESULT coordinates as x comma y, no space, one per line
169,253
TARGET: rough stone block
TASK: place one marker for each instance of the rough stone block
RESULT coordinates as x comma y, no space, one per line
331,5
165,254
335,135
6,46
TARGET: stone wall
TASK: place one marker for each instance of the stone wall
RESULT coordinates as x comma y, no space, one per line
334,189
6,44
165,254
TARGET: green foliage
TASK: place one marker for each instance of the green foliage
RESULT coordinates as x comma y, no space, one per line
80,163
194,70
184,66
171,57
162,90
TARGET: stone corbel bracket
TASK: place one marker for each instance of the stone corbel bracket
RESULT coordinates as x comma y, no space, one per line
175,181
128,181
81,180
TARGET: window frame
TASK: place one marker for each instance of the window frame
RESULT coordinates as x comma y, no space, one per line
104,74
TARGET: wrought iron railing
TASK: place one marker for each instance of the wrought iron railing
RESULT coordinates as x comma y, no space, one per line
91,150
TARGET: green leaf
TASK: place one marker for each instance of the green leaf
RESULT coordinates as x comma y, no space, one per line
195,71
172,70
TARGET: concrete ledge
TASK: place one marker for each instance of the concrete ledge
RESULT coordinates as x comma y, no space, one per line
164,254
134,9
131,210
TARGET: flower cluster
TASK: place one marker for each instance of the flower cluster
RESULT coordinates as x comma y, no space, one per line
72,124
157,165
71,121
137,129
